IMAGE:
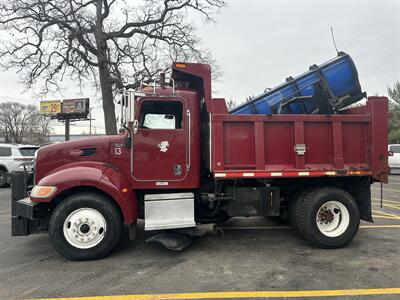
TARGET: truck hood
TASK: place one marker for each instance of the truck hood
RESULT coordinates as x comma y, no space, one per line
54,157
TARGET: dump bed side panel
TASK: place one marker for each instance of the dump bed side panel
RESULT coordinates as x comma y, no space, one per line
314,145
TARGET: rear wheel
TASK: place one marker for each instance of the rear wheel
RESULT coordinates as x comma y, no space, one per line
85,226
292,209
327,217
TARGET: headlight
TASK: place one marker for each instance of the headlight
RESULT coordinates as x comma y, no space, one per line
43,191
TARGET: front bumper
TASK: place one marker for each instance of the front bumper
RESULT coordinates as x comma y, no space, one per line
27,217
26,208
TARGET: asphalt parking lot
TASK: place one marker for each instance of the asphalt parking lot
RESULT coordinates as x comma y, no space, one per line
254,258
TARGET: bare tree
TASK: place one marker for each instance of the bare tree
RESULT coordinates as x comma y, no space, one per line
110,43
22,123
394,109
394,92
40,130
231,104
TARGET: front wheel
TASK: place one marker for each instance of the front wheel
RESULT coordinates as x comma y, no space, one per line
327,217
85,226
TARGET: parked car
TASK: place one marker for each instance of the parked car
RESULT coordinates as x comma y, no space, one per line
15,157
394,158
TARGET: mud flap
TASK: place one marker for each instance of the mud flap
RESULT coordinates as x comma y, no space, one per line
361,192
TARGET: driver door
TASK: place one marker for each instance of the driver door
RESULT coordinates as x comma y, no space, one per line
160,144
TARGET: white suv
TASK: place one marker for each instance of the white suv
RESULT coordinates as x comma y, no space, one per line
394,159
15,157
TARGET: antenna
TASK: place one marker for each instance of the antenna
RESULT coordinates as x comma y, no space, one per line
334,42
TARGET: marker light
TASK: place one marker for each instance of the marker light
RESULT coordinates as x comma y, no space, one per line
43,191
180,66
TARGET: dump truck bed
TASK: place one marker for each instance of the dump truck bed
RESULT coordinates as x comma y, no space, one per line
352,143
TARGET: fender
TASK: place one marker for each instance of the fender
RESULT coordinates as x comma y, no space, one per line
116,184
72,175
98,175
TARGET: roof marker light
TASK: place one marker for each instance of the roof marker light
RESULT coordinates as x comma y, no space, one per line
180,66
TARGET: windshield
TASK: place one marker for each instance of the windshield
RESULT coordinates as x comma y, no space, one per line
28,151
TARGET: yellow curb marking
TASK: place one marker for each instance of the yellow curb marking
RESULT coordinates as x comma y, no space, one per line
385,189
386,214
387,205
380,226
246,294
384,200
388,218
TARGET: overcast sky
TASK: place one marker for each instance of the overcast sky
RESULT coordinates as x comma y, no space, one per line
260,43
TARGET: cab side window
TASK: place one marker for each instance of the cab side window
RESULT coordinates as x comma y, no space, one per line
161,115
5,151
395,149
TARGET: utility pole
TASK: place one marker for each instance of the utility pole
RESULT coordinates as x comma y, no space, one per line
66,129
90,121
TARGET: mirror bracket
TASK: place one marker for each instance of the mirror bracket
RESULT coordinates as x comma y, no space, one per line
135,126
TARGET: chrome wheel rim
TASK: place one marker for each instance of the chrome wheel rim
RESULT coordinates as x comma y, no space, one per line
84,228
333,218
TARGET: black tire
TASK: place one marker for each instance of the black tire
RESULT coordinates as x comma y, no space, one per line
95,201
3,179
293,208
306,211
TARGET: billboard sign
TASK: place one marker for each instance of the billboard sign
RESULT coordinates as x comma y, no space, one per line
75,106
51,107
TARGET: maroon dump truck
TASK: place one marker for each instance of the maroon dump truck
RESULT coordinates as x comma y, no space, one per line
183,162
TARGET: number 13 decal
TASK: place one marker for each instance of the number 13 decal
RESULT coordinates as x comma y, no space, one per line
118,151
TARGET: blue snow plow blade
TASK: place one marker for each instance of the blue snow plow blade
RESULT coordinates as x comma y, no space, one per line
324,89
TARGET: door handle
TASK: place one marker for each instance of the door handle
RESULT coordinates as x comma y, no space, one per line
177,170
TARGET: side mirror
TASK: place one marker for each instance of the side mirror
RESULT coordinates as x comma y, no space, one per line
135,126
390,153
169,117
